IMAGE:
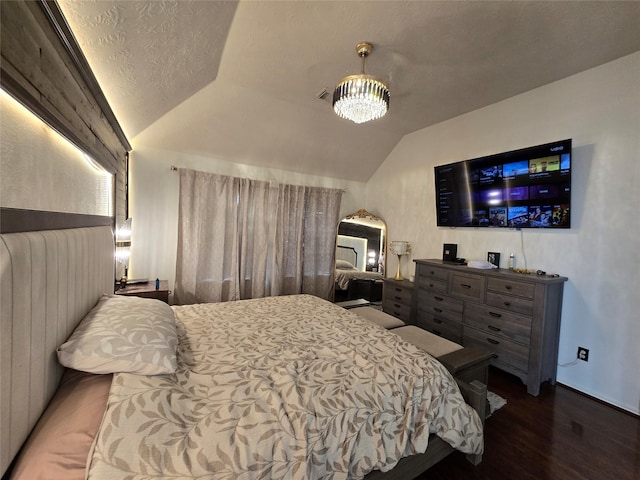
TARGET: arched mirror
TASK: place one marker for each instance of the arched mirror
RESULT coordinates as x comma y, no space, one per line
360,257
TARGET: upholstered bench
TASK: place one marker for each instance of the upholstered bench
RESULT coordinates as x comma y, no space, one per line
431,343
351,304
467,364
379,317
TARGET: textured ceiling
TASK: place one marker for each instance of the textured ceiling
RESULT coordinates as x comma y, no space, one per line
150,56
238,81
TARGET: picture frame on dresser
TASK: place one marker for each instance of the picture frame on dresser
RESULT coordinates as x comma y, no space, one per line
493,258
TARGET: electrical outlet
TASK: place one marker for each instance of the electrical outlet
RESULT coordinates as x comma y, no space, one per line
583,354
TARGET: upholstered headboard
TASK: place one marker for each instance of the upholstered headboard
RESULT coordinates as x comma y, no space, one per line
348,254
48,281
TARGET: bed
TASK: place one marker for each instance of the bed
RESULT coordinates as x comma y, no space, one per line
351,282
251,390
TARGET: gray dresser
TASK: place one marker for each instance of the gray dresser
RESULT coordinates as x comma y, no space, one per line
516,316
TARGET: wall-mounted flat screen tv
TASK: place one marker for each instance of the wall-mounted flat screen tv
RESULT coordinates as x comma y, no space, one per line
526,188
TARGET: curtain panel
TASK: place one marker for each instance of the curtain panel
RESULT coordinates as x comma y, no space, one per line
240,238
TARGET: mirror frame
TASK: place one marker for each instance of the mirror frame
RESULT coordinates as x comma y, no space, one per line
363,214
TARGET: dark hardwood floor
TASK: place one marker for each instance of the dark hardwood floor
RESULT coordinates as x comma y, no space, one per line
559,435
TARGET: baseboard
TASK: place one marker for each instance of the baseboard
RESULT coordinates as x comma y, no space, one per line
596,399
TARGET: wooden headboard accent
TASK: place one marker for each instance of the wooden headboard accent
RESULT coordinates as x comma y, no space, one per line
48,281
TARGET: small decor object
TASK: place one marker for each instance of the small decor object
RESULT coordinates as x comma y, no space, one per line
450,252
512,262
494,257
361,98
157,284
400,249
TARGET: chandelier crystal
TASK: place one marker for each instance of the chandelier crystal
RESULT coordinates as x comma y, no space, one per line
361,98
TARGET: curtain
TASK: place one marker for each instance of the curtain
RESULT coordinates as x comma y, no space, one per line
240,238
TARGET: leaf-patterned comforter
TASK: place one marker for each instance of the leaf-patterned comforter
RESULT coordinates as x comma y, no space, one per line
290,387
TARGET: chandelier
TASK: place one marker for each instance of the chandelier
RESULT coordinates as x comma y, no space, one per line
361,98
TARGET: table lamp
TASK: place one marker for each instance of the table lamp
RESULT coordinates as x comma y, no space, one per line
399,248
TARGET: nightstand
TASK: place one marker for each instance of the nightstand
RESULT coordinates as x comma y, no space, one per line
147,290
396,299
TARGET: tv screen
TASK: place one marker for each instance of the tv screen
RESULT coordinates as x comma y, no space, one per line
526,188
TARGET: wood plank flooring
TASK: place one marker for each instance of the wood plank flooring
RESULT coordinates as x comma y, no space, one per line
559,435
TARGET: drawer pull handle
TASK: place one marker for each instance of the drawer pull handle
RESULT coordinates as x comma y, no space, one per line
439,299
397,297
396,305
396,314
495,315
495,329
431,285
437,320
398,289
508,287
437,332
507,304
494,356
492,341
464,285
437,310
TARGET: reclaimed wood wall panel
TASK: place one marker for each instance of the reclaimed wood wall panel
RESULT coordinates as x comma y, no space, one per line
43,67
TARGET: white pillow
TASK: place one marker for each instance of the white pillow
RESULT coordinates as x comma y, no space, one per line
344,265
123,334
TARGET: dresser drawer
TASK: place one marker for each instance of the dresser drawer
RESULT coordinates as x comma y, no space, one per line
433,285
444,328
440,312
434,302
513,304
396,294
398,310
509,356
510,287
498,322
425,272
467,287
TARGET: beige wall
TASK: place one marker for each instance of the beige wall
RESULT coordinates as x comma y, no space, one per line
600,110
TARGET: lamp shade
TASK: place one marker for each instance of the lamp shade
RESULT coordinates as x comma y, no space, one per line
123,242
400,248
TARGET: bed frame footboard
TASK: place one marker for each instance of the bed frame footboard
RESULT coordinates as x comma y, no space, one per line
475,394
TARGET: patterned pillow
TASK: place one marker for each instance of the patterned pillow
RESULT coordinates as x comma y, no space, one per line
123,334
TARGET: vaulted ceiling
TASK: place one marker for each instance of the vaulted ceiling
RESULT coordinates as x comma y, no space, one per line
240,81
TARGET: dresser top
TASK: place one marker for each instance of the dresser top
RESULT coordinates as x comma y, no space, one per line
403,283
496,272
